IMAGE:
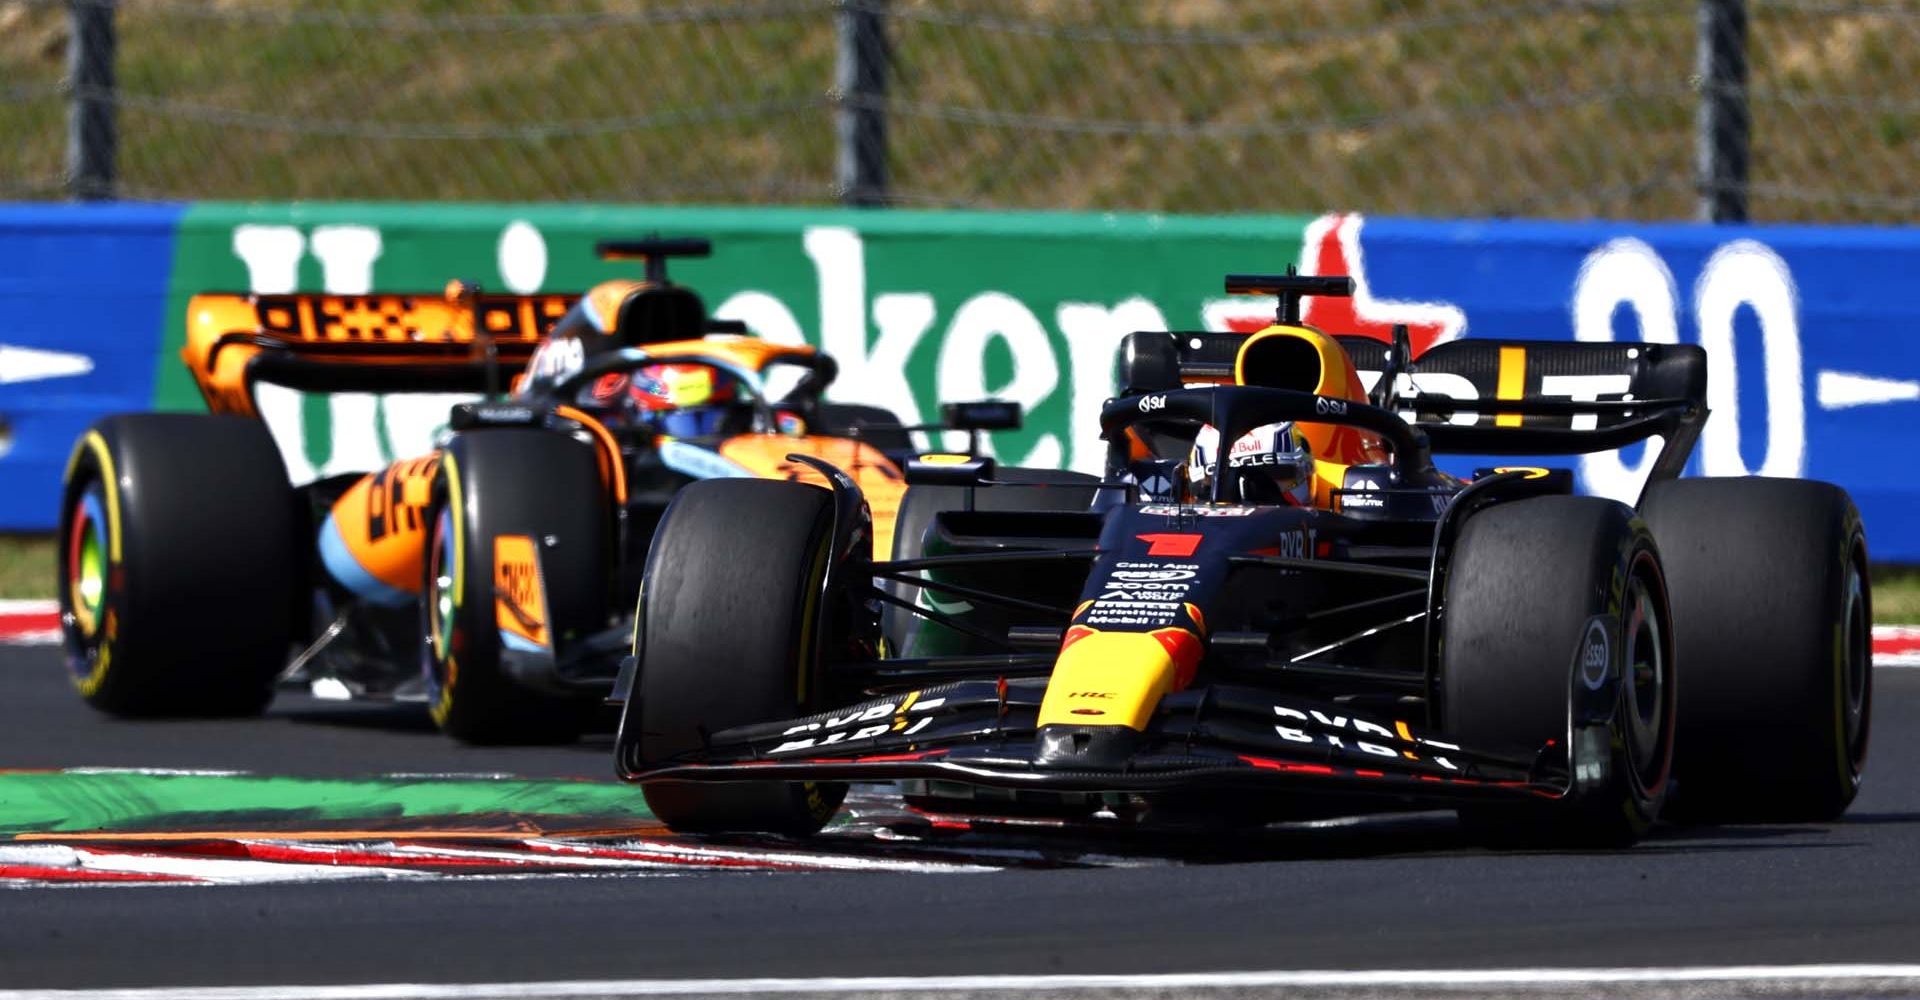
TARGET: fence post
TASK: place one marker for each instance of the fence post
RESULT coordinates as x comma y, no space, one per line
1725,136
92,132
860,167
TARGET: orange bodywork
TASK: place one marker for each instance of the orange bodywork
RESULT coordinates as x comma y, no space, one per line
765,455
739,350
375,538
520,599
381,522
226,332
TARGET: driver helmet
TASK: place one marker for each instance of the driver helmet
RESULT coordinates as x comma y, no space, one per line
1269,464
675,400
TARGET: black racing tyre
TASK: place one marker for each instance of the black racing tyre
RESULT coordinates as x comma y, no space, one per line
1527,581
1773,620
920,504
728,626
503,493
180,565
876,426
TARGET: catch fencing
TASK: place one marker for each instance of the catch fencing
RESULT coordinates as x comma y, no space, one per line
1773,110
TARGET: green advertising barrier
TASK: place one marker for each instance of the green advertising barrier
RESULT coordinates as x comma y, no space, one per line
917,307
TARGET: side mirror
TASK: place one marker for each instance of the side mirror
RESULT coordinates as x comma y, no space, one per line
981,415
949,470
1148,362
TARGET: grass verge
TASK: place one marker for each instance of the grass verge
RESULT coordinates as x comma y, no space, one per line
26,566
1896,595
26,570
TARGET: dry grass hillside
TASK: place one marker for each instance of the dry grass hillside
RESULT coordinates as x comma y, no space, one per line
1432,107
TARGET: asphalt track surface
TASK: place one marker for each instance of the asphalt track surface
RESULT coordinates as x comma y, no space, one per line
1382,894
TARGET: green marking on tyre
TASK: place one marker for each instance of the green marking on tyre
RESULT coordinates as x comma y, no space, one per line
89,584
92,580
135,802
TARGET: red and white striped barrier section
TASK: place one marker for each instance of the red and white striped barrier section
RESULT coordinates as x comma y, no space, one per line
29,623
1896,645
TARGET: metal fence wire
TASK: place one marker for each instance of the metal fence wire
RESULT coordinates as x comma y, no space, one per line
1635,109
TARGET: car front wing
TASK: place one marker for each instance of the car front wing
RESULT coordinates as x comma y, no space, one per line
984,732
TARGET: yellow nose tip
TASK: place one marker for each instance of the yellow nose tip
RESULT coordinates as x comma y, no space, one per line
1113,678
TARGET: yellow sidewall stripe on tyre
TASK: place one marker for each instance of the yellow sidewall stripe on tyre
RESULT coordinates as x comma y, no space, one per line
110,481
98,445
456,525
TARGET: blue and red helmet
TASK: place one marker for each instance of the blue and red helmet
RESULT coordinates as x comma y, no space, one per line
676,400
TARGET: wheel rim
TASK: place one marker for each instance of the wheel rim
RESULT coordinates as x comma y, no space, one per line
1857,666
1647,678
86,567
442,602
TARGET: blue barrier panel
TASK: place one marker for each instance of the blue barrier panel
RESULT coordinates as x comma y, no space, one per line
83,289
1814,370
1813,333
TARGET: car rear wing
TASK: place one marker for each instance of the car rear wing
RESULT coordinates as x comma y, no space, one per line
453,341
1483,396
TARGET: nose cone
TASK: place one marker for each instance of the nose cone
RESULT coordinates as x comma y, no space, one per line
1104,690
1086,748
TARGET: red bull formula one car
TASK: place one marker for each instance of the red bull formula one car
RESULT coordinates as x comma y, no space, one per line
1274,606
493,578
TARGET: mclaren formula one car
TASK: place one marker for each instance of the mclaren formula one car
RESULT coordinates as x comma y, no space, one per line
493,578
1274,606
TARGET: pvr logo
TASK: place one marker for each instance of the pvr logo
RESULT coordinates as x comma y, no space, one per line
519,606
517,582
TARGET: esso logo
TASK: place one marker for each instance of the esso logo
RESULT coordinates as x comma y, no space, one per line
1596,656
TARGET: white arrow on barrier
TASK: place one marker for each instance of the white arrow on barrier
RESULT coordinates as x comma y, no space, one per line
1839,390
30,364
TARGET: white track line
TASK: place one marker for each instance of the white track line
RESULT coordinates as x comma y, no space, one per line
1453,979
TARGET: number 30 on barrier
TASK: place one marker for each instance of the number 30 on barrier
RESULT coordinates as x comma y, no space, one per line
1628,274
